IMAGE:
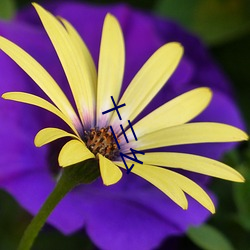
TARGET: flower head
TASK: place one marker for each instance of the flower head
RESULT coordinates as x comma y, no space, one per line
91,136
93,205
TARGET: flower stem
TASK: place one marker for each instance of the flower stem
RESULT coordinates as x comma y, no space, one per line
39,220
71,176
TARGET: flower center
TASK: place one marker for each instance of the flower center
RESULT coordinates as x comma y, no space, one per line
101,141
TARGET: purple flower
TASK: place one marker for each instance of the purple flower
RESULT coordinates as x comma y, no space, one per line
131,214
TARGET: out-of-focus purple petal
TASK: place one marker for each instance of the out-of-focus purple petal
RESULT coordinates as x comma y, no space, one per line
138,221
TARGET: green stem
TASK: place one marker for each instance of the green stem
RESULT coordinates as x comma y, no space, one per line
39,220
72,176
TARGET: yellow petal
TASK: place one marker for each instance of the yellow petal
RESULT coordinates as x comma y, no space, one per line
194,163
73,152
48,135
191,188
71,59
110,173
42,78
110,69
190,133
178,111
86,58
172,184
39,102
149,80
158,178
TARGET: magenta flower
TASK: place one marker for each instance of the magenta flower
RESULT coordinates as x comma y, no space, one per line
132,213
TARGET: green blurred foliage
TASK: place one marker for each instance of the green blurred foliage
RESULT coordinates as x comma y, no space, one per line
7,9
228,222
202,237
234,59
241,195
215,21
14,220
233,200
225,26
11,222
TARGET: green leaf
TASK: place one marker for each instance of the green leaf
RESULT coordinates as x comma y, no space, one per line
215,21
7,9
209,238
241,194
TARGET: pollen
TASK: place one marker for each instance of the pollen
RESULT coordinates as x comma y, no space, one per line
101,141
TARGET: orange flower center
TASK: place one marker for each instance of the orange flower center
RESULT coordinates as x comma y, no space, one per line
101,141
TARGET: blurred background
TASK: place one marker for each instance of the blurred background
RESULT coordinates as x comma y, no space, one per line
224,26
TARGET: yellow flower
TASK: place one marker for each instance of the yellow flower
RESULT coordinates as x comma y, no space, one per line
90,135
